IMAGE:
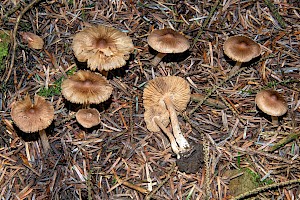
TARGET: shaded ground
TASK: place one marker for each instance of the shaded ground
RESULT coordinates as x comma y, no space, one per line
88,163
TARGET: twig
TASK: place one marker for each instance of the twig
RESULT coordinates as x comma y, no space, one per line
207,171
12,61
264,188
253,152
214,89
151,194
275,13
284,141
205,23
231,108
130,185
209,101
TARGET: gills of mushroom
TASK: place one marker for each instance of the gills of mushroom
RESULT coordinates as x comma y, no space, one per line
157,118
172,92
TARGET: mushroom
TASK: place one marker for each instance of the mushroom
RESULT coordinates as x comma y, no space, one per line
86,87
241,49
102,47
34,41
156,118
32,117
88,117
172,92
271,103
167,41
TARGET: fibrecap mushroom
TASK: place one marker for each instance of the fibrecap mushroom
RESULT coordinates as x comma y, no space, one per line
88,117
156,118
86,87
102,47
167,41
32,117
241,49
172,92
271,103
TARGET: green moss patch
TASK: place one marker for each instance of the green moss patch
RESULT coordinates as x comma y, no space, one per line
4,47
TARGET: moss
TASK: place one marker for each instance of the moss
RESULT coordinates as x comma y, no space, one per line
4,47
55,88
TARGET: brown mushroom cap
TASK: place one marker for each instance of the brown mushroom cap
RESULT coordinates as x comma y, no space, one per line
168,41
158,112
104,48
241,48
271,102
86,87
174,87
32,117
88,117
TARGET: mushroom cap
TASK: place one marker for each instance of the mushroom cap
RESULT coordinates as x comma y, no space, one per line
168,41
32,117
102,47
88,117
34,41
159,112
241,48
271,102
85,87
174,87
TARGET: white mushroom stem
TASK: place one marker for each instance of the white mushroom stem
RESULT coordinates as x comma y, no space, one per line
44,140
174,145
158,58
235,68
180,139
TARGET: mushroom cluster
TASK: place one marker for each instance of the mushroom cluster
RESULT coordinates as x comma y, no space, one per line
86,87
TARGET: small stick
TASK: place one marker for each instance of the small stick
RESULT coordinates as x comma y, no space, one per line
275,13
205,23
130,185
285,140
152,193
13,54
253,152
264,188
214,89
209,101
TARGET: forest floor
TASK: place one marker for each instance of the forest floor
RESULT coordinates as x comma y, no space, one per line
120,158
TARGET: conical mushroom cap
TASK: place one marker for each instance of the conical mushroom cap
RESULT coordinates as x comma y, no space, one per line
241,48
158,112
88,117
174,87
102,47
168,41
32,117
86,87
271,102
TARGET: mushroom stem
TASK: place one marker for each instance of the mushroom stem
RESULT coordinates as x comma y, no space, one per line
235,68
174,145
44,140
104,73
274,120
180,139
158,58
